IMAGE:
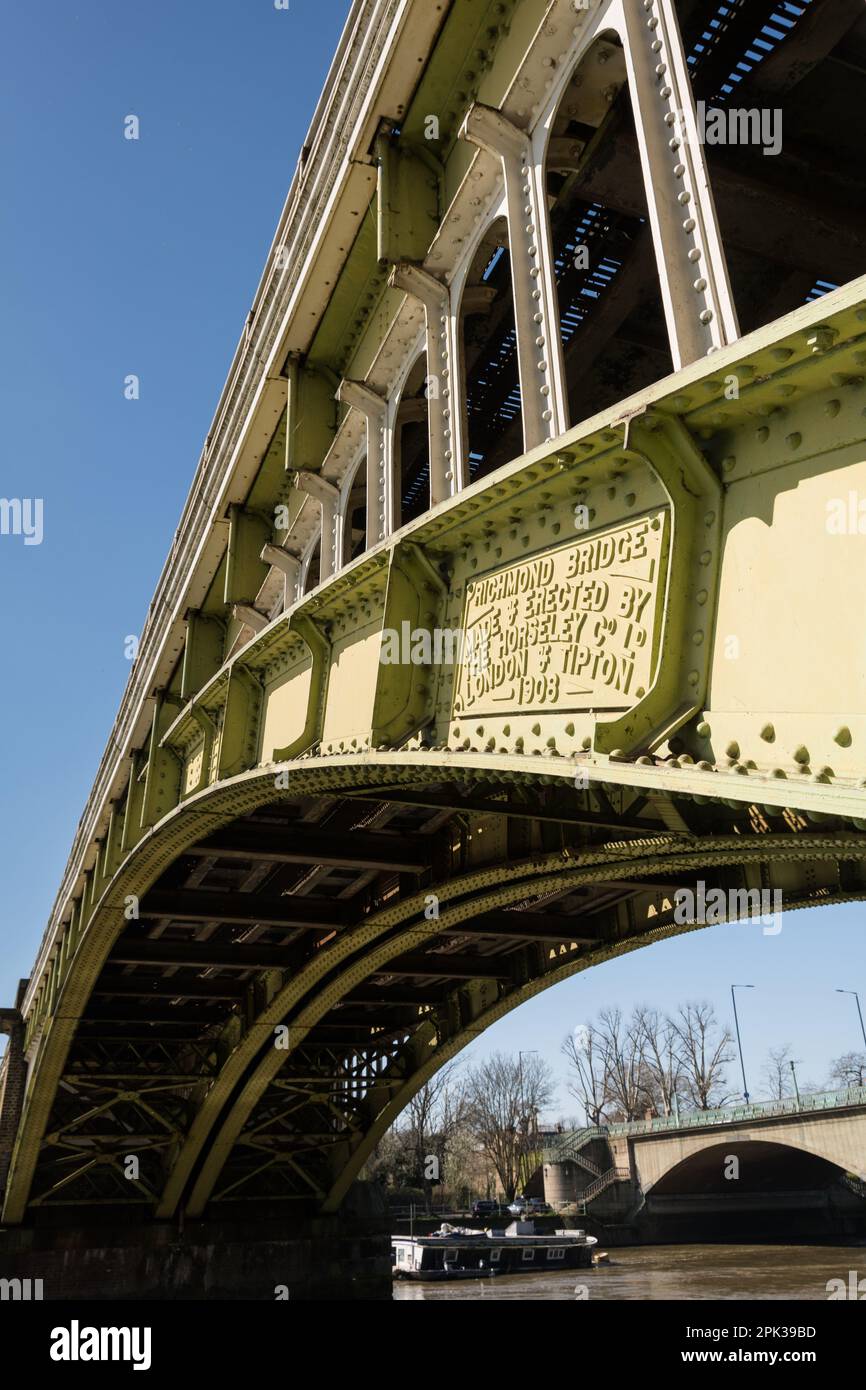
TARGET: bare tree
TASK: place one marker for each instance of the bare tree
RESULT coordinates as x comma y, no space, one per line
704,1050
430,1124
627,1087
504,1096
661,1060
777,1072
585,1053
848,1070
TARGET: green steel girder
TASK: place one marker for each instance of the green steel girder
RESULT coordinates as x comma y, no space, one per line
162,773
238,738
312,415
245,569
691,557
405,693
407,200
202,653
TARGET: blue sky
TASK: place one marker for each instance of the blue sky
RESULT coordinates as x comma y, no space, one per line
142,257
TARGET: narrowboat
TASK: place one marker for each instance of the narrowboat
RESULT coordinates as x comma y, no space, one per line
459,1252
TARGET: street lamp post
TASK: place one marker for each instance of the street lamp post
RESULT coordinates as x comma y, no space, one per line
796,1087
739,1044
530,1052
859,1010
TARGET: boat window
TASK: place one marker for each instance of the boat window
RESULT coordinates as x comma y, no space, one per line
528,1254
494,1256
556,1254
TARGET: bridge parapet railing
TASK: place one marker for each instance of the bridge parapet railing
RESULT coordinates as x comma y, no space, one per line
567,1146
792,1105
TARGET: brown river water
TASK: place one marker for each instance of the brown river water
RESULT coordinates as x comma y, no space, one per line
669,1271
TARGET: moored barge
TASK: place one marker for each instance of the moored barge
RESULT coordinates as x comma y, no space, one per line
459,1252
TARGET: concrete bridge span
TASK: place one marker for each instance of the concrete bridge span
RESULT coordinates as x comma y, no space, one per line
775,1170
663,1163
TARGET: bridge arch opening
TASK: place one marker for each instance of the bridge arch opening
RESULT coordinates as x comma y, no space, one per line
610,316
329,888
411,449
489,371
354,511
752,1167
312,567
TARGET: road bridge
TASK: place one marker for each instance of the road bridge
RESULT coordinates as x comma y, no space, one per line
786,1162
533,364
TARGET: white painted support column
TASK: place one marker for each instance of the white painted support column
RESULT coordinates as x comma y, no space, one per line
328,498
532,280
441,360
358,396
696,292
290,566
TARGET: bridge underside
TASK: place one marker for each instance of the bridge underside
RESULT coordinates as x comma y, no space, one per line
294,973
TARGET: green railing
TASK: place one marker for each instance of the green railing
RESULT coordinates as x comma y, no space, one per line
567,1144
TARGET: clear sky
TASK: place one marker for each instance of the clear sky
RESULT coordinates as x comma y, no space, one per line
142,257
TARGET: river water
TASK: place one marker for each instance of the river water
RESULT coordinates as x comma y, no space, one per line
669,1271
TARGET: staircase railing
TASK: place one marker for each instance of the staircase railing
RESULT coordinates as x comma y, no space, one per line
602,1183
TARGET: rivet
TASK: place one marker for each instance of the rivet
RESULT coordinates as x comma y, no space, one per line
733,749
794,440
768,733
842,736
801,755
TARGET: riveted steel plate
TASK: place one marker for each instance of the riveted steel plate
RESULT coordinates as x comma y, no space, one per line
572,628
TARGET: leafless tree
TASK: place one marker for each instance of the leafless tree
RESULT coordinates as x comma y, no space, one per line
777,1072
586,1082
848,1070
704,1050
504,1097
430,1123
627,1088
661,1059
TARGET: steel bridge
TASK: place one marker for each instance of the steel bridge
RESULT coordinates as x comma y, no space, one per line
516,589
